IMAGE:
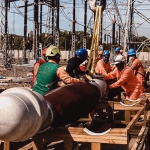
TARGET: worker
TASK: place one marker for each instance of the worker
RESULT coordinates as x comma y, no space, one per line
137,67
121,51
36,67
117,51
99,57
125,78
50,72
72,67
103,66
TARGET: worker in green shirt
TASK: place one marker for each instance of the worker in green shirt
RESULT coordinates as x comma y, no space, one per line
50,72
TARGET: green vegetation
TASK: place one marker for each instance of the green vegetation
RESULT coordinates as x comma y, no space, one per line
65,41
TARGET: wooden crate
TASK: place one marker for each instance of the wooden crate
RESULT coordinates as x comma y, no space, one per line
71,135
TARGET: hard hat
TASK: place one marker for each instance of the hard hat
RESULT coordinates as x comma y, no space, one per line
82,52
121,51
52,51
131,52
119,59
44,51
117,49
106,52
100,53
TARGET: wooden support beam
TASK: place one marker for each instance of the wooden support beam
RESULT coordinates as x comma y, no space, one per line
135,118
115,136
140,139
68,145
96,146
6,145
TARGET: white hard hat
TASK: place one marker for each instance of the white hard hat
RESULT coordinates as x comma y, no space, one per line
119,59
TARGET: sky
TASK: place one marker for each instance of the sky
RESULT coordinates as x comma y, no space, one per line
16,20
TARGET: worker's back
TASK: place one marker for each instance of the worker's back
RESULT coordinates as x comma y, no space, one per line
46,79
72,67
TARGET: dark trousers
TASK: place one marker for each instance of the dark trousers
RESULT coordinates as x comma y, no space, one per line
113,92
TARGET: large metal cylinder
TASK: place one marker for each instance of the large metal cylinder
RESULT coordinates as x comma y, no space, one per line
22,114
73,101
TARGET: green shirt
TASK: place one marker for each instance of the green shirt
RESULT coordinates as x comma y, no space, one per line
46,79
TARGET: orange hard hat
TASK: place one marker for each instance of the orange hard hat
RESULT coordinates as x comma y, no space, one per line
121,51
44,51
100,53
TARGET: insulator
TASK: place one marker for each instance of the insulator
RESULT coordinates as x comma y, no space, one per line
72,102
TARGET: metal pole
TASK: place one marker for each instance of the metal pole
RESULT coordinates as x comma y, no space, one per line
113,31
126,39
36,30
41,9
85,22
25,31
73,29
57,26
5,35
119,36
53,21
131,18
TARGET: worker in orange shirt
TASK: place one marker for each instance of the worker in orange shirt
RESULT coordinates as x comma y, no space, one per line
137,67
100,55
103,66
51,72
36,67
125,78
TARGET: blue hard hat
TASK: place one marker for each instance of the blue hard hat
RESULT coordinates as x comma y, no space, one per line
131,52
82,52
106,52
117,49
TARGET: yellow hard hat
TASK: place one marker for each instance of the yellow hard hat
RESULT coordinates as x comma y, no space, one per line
52,51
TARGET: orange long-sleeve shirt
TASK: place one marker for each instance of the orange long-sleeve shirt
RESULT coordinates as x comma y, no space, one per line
102,67
35,70
127,80
138,70
64,76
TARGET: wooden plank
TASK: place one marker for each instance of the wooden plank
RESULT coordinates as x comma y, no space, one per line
142,134
68,145
37,144
118,106
6,145
127,115
115,136
96,146
135,118
143,139
27,147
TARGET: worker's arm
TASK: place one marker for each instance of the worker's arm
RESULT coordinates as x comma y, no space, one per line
35,70
36,66
110,68
135,64
64,76
124,78
100,68
111,75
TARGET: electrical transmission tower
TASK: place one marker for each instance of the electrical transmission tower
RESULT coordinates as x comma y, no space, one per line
3,36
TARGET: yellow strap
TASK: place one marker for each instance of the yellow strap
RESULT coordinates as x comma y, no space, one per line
95,40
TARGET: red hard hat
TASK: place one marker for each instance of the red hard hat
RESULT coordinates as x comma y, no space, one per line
44,51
